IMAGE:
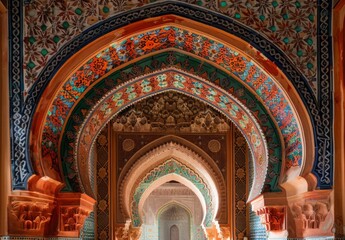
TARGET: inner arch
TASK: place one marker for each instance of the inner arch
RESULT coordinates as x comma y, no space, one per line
146,86
158,156
172,170
180,179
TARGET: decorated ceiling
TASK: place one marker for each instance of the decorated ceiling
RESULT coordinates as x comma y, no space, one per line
291,25
282,33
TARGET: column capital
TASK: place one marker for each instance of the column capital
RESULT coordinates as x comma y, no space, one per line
272,210
127,232
312,213
73,209
30,214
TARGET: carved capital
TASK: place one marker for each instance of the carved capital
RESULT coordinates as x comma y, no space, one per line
73,209
120,232
127,232
273,218
312,213
134,233
30,213
225,233
213,233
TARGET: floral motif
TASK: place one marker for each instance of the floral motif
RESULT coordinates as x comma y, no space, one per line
51,24
253,76
228,84
248,125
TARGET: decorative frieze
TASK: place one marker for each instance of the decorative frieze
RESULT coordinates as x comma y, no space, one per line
171,112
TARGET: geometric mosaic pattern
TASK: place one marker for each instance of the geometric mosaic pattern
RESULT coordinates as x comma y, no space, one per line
241,184
103,181
291,25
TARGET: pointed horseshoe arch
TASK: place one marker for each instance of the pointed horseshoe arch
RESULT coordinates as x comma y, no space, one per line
157,156
293,103
173,170
170,80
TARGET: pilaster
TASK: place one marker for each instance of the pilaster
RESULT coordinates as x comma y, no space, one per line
5,168
339,117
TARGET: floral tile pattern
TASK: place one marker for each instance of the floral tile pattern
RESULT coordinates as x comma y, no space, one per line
147,85
186,64
167,37
291,25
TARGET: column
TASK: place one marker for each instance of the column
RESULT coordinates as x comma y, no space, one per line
339,120
5,167
272,211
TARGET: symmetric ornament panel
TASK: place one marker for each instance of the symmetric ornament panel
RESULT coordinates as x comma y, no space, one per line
289,25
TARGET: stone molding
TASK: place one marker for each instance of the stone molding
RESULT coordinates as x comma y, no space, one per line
225,233
218,232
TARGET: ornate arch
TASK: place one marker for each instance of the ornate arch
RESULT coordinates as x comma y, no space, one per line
166,171
216,76
22,168
296,158
157,156
225,56
170,80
